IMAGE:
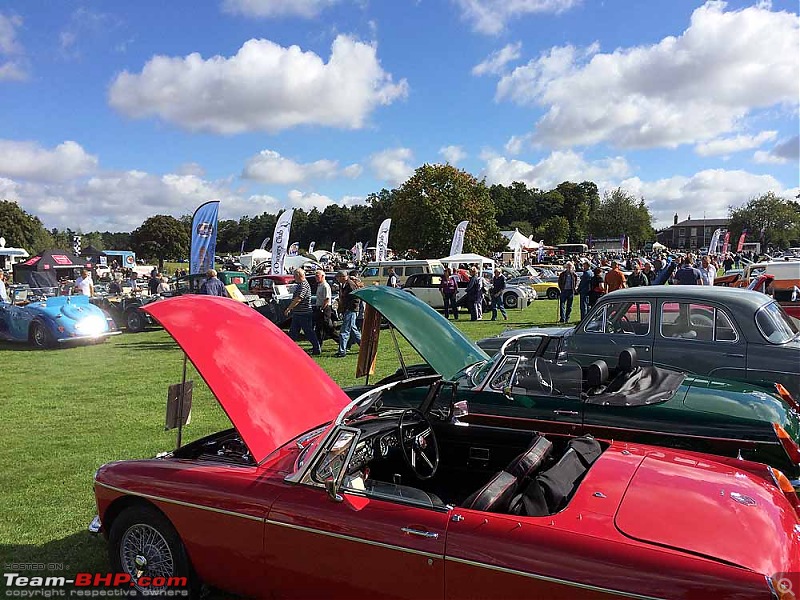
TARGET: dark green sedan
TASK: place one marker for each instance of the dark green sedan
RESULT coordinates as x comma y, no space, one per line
634,402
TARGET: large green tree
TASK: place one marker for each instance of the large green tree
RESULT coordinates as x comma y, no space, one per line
620,213
159,238
778,217
429,205
580,199
22,230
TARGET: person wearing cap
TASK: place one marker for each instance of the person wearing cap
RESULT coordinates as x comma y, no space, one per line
584,287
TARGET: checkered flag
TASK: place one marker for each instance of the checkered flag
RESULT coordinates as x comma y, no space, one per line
76,244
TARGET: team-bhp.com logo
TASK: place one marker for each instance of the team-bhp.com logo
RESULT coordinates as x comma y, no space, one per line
91,585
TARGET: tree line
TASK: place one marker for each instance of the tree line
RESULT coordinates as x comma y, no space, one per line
424,211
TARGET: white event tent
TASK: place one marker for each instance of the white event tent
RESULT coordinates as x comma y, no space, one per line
468,259
518,240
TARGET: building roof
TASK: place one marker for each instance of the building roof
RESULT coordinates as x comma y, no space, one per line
703,223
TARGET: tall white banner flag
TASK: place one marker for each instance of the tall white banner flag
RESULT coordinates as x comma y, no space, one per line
712,247
383,240
311,247
280,242
457,245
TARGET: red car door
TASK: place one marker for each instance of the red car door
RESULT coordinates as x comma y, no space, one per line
361,547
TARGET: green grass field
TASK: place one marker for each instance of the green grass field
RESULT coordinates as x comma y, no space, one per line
65,412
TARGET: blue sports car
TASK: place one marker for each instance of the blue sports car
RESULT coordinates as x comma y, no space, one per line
45,319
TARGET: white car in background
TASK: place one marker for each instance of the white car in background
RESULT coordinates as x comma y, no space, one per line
425,286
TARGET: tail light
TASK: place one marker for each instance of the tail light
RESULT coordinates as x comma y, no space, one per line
785,486
787,396
791,447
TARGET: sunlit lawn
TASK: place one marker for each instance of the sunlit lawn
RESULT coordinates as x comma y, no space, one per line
65,412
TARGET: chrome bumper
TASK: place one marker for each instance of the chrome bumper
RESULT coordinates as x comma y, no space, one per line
95,526
87,337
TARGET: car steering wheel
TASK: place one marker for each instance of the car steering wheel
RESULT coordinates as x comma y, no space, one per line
418,443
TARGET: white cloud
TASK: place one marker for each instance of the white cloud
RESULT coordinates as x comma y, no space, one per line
491,16
687,89
353,171
496,62
191,168
558,167
121,201
264,87
12,65
276,8
708,192
453,154
269,166
724,146
298,199
393,165
788,150
28,160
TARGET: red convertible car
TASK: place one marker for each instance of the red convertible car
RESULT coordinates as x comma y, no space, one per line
315,495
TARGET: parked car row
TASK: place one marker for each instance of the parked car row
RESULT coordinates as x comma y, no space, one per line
479,477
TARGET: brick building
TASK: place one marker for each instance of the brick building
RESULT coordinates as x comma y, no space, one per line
691,233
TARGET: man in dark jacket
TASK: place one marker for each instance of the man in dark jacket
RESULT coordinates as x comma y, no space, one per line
213,286
567,285
584,287
349,306
498,286
637,278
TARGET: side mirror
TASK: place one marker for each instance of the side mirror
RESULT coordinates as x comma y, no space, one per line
507,393
333,494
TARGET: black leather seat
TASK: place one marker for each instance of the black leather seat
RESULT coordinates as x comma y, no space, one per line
627,367
550,491
596,377
497,494
628,361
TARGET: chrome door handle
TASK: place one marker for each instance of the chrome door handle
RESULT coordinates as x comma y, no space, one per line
733,355
419,533
645,348
570,413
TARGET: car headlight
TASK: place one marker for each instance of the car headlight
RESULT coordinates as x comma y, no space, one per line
92,325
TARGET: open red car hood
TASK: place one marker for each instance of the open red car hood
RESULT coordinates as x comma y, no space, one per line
270,389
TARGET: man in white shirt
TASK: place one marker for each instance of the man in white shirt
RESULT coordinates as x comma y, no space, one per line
707,271
84,285
3,292
323,312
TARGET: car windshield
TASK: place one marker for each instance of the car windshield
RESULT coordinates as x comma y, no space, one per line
535,376
775,325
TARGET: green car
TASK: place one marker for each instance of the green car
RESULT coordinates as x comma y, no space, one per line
637,403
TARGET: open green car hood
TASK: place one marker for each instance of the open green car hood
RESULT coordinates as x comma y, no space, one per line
441,344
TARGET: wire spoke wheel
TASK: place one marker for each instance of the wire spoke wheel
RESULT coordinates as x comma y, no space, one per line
145,552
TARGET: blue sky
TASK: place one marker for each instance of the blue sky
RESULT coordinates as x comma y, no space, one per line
111,112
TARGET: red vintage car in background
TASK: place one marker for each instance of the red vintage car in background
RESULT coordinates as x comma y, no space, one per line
313,494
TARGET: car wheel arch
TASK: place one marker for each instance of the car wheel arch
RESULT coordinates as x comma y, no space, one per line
167,530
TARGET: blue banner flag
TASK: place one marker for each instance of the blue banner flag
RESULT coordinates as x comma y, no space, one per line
204,238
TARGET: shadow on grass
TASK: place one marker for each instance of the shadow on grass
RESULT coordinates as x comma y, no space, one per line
148,345
79,552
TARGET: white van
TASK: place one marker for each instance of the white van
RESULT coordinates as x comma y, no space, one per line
378,272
